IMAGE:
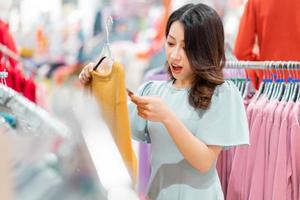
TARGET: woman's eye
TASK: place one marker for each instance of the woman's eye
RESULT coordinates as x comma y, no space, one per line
170,43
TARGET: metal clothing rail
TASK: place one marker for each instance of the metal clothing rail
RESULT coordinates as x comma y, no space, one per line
292,65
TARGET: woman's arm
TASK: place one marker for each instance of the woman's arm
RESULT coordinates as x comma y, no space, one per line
198,154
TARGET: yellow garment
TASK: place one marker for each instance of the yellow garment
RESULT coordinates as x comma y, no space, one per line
110,93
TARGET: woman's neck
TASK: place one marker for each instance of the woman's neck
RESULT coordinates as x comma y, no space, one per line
182,83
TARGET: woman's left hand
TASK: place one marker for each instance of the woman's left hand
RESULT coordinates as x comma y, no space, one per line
151,108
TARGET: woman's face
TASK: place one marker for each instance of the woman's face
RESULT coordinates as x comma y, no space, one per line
176,56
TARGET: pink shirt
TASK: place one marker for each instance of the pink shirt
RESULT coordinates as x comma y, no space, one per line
251,106
294,151
273,148
280,190
257,187
257,117
239,158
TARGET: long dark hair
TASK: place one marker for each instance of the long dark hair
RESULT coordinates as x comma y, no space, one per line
204,47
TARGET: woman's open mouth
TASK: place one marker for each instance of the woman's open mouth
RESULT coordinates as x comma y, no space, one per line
176,69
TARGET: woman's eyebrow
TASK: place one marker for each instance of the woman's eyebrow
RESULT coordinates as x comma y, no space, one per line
171,36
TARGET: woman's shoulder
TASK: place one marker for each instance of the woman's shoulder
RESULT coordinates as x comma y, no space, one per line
152,87
225,94
228,87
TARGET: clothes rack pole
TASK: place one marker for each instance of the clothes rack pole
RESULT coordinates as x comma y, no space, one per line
262,64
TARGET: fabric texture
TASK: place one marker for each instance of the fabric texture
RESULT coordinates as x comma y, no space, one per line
109,90
172,177
295,153
280,189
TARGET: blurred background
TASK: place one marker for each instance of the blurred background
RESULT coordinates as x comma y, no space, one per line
65,150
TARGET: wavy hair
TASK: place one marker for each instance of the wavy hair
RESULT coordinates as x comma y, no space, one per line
204,47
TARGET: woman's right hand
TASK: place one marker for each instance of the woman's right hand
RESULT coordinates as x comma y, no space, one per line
85,75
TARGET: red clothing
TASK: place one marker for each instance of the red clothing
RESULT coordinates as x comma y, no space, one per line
7,40
18,80
15,79
30,89
276,24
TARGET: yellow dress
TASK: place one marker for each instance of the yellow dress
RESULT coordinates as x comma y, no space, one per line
110,92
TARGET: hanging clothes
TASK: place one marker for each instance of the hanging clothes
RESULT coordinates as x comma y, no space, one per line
270,165
15,79
276,24
6,39
111,95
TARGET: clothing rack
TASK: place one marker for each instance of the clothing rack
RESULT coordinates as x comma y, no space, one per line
289,65
9,52
14,56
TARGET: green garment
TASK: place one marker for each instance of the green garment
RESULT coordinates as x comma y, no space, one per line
224,123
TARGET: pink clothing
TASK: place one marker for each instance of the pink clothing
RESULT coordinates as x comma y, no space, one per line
280,190
224,166
225,159
234,188
257,117
260,158
294,151
236,184
268,169
275,119
250,108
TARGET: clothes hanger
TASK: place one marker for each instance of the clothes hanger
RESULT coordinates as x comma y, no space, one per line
295,82
297,68
242,82
275,81
292,83
106,52
272,83
267,90
285,95
4,73
262,86
281,85
249,89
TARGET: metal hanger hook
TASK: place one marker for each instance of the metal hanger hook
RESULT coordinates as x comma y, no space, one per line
109,21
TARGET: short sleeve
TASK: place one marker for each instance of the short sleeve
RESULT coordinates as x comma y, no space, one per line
225,122
138,125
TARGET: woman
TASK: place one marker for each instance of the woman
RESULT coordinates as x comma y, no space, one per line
192,117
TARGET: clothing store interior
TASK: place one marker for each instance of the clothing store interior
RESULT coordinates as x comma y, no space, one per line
62,139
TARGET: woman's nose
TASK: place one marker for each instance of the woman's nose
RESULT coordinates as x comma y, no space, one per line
175,54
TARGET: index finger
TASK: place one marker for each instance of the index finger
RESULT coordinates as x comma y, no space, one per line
139,99
91,67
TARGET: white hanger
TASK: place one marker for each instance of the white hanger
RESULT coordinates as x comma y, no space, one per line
109,20
106,52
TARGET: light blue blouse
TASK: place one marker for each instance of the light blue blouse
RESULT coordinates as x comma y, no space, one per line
224,123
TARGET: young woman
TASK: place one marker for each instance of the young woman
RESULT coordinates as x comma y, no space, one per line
193,116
